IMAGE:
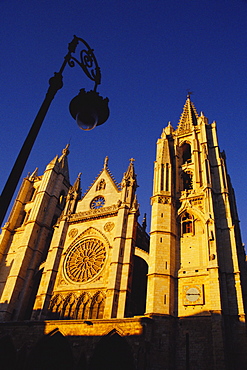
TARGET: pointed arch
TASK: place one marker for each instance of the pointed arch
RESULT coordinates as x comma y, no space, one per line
90,232
83,306
112,352
187,223
68,306
56,305
52,352
186,152
195,212
62,199
97,306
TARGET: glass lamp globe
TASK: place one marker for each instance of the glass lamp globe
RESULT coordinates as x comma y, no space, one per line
89,109
87,120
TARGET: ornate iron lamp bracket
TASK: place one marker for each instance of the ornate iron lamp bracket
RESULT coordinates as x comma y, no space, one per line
87,60
93,111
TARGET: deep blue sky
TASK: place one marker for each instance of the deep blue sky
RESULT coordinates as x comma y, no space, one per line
150,54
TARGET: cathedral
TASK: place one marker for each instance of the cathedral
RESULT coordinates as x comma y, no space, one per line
84,285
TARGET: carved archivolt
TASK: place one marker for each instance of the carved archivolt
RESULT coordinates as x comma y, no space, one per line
95,213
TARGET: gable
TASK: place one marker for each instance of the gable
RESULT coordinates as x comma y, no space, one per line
103,192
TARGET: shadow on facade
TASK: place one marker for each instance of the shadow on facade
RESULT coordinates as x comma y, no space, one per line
28,346
232,267
5,270
190,343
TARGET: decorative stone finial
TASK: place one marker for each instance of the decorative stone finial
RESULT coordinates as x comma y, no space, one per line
144,222
65,151
34,174
168,129
106,162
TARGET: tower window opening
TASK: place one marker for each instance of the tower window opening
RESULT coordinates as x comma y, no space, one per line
62,199
167,177
187,223
23,217
162,177
27,216
31,197
187,227
187,180
186,150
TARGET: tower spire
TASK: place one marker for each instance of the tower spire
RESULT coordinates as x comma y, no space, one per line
130,173
189,116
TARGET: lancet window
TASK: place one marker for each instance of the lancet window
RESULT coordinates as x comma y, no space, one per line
56,306
97,306
62,199
82,307
68,307
186,223
186,153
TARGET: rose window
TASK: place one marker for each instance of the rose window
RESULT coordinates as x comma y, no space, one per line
97,202
85,260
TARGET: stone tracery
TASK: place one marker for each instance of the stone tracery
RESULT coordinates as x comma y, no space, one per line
85,260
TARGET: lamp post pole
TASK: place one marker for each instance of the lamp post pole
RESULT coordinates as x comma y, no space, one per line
89,65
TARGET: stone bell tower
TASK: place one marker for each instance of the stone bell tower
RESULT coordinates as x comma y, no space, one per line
26,236
197,262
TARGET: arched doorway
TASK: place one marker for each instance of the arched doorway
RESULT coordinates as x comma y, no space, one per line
111,353
52,352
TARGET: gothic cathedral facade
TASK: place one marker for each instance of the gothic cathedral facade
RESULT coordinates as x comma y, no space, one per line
84,286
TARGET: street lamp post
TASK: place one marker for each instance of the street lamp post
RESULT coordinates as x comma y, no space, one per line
88,108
